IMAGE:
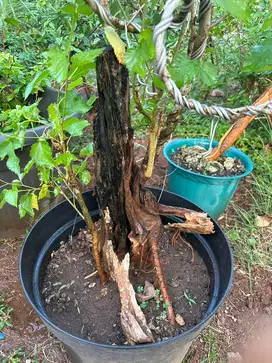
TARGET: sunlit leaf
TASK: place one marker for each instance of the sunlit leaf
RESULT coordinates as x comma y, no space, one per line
87,150
43,192
58,64
237,8
75,126
13,162
34,202
41,153
11,196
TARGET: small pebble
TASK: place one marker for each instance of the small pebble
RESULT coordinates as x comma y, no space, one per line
179,319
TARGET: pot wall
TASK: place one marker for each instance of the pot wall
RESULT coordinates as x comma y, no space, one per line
210,193
57,224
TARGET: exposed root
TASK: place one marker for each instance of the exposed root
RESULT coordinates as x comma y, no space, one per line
132,318
188,244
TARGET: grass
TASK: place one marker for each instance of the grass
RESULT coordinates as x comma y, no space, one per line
210,339
5,311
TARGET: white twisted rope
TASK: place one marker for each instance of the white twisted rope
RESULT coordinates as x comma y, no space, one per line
159,36
167,21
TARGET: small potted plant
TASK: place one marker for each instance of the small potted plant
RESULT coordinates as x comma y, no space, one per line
114,274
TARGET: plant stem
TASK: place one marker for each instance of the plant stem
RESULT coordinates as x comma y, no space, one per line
90,224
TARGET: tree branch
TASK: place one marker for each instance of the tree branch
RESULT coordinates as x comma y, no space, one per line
115,22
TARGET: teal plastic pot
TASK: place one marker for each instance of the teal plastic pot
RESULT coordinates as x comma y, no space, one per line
210,193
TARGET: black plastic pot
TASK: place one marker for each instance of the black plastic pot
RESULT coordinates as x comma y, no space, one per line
57,224
10,223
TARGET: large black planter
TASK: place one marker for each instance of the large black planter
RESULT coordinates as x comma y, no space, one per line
57,224
10,223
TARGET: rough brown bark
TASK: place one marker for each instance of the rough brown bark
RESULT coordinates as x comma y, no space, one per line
110,136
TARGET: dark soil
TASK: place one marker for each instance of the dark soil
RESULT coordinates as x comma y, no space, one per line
192,158
79,304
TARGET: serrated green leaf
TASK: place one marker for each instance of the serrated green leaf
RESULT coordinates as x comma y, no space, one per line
11,196
39,77
87,150
41,153
65,159
28,167
135,58
13,163
58,64
77,169
82,63
74,84
44,174
237,8
208,74
85,177
183,70
159,83
25,205
6,147
43,192
75,126
75,103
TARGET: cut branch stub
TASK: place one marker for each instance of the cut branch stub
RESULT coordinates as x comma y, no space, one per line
194,222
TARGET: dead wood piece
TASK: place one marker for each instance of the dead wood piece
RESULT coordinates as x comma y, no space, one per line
132,318
148,293
195,222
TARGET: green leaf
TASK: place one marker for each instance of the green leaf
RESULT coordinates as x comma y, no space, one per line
6,148
28,167
135,58
13,163
184,70
259,58
84,10
58,64
12,21
91,101
75,126
268,22
82,63
159,83
79,168
39,77
87,150
43,192
208,74
25,205
237,8
11,196
74,84
75,103
65,159
41,153
44,174
70,9
85,177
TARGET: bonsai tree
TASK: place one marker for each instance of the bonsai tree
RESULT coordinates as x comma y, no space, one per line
130,217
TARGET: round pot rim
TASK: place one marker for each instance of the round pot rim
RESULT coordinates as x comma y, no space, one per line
238,154
120,347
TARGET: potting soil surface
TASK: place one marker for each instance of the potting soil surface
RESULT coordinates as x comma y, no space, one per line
77,302
194,159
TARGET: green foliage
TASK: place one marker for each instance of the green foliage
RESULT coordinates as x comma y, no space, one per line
185,71
259,57
238,8
5,311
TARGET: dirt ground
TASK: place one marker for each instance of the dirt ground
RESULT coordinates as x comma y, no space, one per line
245,316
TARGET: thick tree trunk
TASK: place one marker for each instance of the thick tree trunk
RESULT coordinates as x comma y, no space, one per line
111,134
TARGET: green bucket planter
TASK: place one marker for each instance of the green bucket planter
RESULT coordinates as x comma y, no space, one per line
210,193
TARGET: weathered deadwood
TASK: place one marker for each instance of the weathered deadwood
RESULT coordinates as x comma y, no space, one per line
194,222
110,137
